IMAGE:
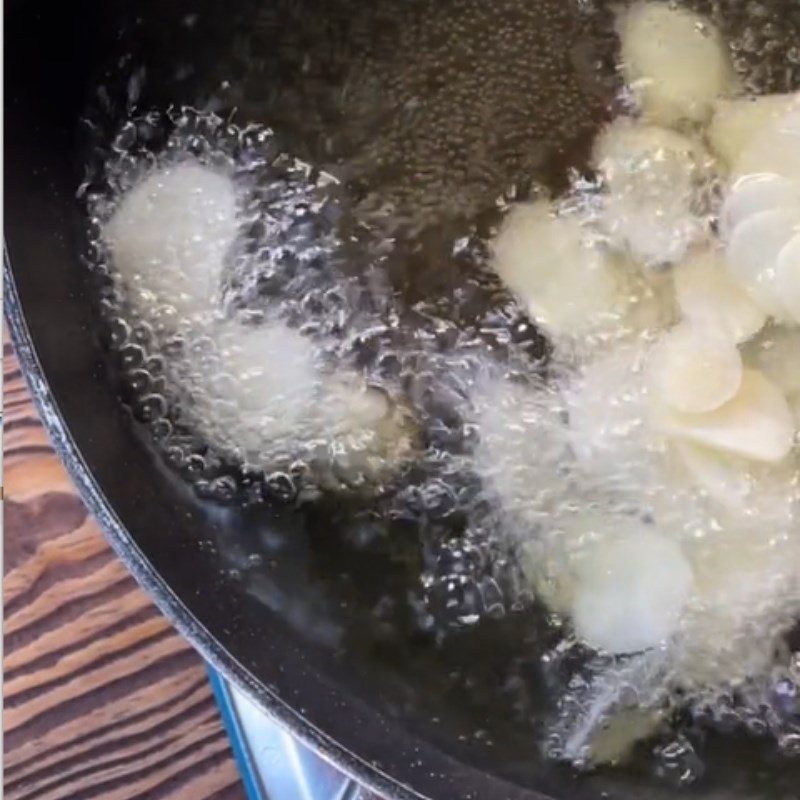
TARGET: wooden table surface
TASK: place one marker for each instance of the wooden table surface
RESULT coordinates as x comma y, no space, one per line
103,699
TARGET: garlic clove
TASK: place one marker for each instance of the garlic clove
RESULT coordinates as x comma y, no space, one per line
693,369
754,193
787,276
775,150
707,295
752,252
776,353
675,61
737,122
630,592
169,236
757,423
653,177
568,285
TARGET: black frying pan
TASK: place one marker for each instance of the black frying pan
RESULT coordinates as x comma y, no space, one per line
293,626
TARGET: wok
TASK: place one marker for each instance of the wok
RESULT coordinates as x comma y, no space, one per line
404,716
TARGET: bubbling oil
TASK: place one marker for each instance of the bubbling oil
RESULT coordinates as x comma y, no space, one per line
477,442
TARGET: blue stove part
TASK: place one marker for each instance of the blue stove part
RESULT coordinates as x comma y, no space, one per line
272,763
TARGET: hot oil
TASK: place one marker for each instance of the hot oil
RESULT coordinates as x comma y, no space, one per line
366,207
441,134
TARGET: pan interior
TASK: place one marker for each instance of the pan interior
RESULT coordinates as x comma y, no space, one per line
426,113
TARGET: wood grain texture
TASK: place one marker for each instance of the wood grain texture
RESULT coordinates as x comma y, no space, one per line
103,699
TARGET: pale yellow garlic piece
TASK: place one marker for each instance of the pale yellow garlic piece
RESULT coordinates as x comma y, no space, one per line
675,61
630,591
775,150
744,491
653,176
568,285
554,566
754,193
261,390
707,295
752,252
787,277
364,416
776,352
719,475
627,148
614,741
169,236
651,300
367,434
695,368
737,122
746,590
606,407
757,423
264,393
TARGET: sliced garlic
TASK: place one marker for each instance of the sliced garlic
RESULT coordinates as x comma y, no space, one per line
694,369
775,150
568,286
757,424
261,388
367,433
787,276
754,193
675,61
612,710
654,237
722,476
630,592
613,742
263,393
606,405
653,176
746,491
746,584
169,236
626,149
707,295
776,352
736,123
752,252
651,300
